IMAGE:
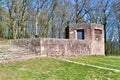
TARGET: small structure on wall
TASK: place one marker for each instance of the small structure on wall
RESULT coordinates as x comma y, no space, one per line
93,33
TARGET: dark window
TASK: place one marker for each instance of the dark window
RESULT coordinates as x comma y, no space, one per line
98,31
67,32
80,34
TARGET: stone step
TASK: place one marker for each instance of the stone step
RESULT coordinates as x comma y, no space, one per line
8,53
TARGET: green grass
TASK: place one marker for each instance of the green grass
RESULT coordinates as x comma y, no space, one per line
104,61
52,69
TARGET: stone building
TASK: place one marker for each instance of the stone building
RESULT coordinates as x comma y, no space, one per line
93,33
82,39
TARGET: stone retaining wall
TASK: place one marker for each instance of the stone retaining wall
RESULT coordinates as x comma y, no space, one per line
54,47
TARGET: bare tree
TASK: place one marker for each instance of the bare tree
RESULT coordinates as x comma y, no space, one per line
99,13
2,23
116,8
17,12
39,4
80,10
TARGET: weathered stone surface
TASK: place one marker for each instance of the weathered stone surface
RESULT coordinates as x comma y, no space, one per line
53,47
30,44
90,34
13,53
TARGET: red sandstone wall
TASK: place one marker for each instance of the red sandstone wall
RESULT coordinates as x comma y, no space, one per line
64,47
98,48
87,30
53,47
97,40
31,44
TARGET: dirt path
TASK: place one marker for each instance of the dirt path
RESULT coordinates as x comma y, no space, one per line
100,67
12,53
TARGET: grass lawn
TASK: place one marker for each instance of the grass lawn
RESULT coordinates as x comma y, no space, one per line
53,69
